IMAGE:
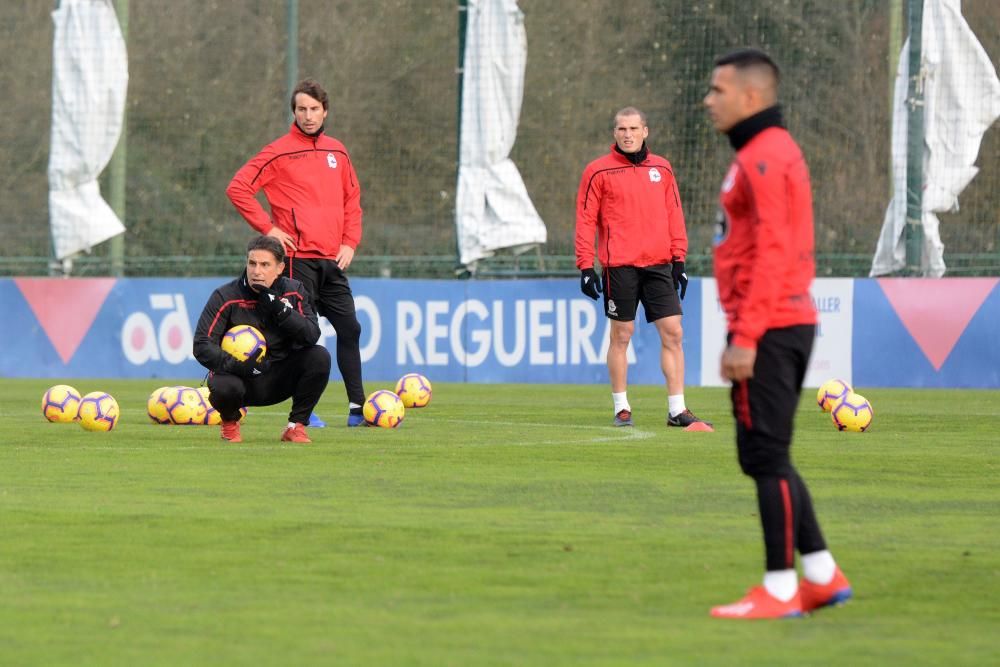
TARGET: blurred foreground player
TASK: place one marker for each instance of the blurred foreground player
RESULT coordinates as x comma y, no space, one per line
764,266
295,366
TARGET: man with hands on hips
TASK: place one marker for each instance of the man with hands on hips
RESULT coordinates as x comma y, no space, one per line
314,195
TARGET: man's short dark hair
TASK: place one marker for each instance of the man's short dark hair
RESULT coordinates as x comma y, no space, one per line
743,59
311,88
628,111
268,243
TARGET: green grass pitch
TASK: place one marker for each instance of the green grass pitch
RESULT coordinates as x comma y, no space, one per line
501,525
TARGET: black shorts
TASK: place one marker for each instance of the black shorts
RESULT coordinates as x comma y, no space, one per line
327,285
764,406
626,286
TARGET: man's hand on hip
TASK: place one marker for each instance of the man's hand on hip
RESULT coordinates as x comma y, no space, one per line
286,239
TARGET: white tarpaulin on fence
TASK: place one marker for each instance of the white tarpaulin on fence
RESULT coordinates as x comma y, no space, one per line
961,101
493,210
89,80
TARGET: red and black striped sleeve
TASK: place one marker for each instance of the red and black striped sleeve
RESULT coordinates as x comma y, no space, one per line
212,326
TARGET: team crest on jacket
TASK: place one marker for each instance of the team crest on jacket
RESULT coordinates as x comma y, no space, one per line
654,175
331,160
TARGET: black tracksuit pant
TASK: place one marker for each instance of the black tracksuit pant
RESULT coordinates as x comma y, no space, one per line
764,407
332,298
302,376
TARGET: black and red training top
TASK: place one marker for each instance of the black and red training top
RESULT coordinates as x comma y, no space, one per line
763,261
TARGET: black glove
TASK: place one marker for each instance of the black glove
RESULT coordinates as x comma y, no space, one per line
590,283
248,369
270,305
680,278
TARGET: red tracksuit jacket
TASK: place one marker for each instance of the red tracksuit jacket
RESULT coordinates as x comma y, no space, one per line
634,209
764,261
311,188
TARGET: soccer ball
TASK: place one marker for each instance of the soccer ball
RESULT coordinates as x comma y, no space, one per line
156,408
414,390
830,392
212,416
184,405
61,404
852,413
244,342
98,411
384,408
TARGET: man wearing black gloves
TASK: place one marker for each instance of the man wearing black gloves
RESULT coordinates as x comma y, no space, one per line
629,200
295,366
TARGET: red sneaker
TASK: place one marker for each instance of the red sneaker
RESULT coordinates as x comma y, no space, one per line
758,603
623,418
231,431
295,433
814,596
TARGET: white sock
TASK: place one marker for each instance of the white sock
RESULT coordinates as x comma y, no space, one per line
621,402
781,584
818,567
290,425
675,404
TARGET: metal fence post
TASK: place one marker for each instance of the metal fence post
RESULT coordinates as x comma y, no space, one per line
292,57
915,141
463,22
118,170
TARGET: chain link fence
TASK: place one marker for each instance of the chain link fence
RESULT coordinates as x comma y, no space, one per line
208,88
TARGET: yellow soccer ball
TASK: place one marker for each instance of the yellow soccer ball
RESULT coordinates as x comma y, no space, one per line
414,390
156,408
61,404
184,405
98,411
830,392
852,413
384,409
245,342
